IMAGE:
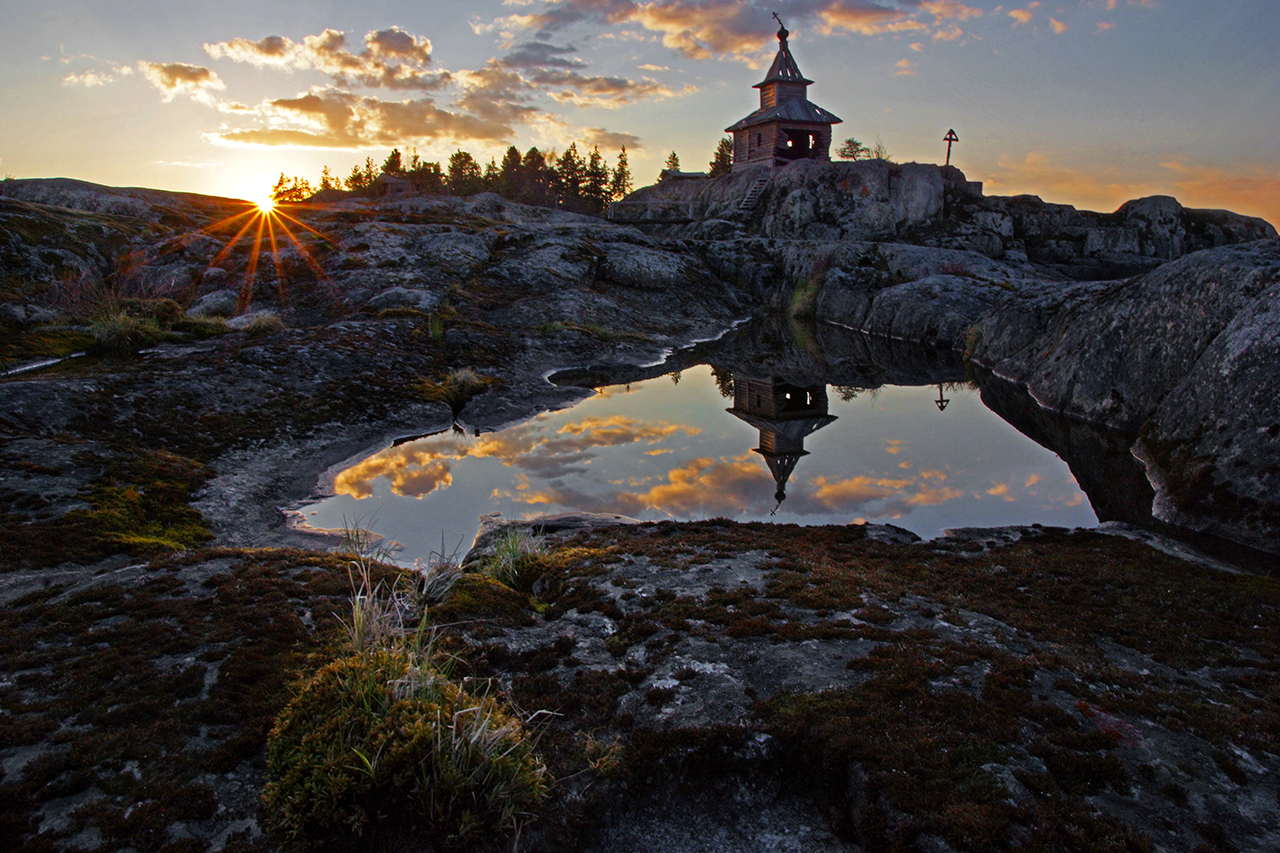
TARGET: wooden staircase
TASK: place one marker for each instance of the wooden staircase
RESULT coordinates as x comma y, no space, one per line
753,194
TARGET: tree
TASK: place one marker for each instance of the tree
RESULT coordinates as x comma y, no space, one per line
361,179
571,171
328,181
673,162
595,187
722,162
535,178
290,190
392,165
879,152
853,150
510,174
492,177
620,181
465,177
427,177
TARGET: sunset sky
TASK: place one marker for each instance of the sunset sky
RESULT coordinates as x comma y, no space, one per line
1087,102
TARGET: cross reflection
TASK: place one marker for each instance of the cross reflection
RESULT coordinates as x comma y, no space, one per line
785,415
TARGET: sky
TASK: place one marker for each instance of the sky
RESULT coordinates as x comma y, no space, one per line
1084,102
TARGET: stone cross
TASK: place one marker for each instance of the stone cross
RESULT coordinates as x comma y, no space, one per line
950,138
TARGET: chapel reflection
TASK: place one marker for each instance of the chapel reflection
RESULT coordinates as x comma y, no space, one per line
785,415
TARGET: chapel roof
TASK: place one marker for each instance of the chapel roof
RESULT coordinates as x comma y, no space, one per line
794,109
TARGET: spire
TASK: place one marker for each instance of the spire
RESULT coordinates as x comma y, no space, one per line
784,68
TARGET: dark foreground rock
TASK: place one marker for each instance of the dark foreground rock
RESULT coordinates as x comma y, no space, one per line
773,688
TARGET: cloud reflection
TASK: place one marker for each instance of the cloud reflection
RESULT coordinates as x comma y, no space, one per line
418,468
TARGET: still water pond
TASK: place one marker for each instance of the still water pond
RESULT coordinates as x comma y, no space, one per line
684,450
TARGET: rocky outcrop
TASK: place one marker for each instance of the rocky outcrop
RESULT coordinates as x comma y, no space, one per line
1186,357
924,204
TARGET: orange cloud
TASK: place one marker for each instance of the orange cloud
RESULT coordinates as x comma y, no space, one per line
999,489
1023,16
178,78
895,445
933,497
943,9
867,21
1032,480
1058,26
904,67
855,490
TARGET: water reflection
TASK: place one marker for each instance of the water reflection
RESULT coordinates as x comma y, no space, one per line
785,415
659,448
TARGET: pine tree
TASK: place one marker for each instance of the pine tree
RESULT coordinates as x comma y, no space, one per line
492,177
595,186
620,181
328,181
571,170
465,177
535,178
290,190
392,165
853,150
722,162
510,173
673,162
428,178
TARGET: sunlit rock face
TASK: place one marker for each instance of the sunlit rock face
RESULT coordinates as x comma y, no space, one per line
1185,356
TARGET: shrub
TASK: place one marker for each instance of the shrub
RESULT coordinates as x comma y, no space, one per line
380,741
262,325
121,335
515,558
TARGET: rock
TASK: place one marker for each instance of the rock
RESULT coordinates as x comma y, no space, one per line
1185,355
402,297
219,303
250,317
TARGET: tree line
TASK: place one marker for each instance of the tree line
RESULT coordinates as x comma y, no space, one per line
569,180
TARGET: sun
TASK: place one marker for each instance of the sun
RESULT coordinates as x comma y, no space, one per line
265,205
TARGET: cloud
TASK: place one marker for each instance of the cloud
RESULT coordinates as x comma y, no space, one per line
950,33
1023,16
596,91
934,497
420,467
867,19
392,58
177,78
904,67
539,54
93,79
598,136
1103,26
950,10
1058,26
702,486
649,66
332,118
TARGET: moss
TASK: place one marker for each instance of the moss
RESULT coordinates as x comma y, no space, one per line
138,506
172,679
479,598
379,741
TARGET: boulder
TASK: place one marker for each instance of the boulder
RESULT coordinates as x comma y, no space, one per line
219,303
